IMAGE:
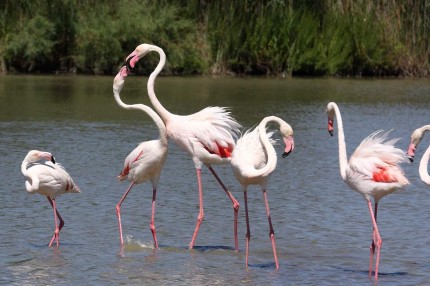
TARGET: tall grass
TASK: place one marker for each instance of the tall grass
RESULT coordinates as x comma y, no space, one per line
255,37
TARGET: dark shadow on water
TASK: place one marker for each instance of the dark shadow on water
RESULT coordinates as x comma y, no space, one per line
263,265
206,248
366,272
46,245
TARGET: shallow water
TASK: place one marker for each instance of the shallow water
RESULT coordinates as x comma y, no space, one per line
322,228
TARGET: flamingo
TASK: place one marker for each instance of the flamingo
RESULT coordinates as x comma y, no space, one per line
46,177
208,135
253,160
146,160
373,171
416,137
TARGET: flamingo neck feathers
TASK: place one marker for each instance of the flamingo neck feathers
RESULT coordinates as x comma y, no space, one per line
164,113
343,158
270,151
32,184
424,175
151,113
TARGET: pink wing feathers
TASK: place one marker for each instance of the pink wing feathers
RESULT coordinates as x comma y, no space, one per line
378,159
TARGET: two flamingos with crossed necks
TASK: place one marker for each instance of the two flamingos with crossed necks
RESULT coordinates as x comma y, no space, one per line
208,135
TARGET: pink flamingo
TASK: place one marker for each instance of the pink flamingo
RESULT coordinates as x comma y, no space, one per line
146,160
49,179
253,160
208,135
416,137
373,171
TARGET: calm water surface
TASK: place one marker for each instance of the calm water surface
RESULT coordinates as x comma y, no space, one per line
322,228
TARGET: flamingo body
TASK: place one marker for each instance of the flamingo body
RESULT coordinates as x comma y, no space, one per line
48,178
373,170
253,161
146,161
208,135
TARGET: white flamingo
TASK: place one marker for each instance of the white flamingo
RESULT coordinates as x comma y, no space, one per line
46,177
416,137
208,135
146,160
373,171
253,160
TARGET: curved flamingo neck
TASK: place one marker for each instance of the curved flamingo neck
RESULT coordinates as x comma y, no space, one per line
164,113
154,116
343,159
424,175
423,130
270,151
34,184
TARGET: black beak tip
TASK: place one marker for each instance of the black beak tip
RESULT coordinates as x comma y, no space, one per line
331,132
411,159
128,66
285,154
53,159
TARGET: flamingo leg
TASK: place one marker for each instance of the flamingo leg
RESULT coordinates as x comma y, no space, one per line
152,224
248,230
201,211
235,207
376,238
372,247
56,218
272,232
118,211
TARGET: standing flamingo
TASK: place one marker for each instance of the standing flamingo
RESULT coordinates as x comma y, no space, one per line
416,137
373,171
146,160
49,179
208,135
253,160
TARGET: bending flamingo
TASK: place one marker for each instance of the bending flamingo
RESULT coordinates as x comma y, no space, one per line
50,179
373,171
208,135
253,160
416,137
146,160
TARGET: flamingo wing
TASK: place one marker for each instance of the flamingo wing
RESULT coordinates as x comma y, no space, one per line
377,159
212,128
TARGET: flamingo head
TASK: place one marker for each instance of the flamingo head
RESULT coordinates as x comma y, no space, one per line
416,137
136,55
118,82
35,155
287,135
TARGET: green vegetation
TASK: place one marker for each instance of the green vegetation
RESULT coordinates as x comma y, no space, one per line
255,37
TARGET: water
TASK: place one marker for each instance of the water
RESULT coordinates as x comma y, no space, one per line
322,228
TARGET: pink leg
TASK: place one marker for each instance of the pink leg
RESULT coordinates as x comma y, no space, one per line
152,224
201,211
56,217
248,230
376,238
372,246
235,207
118,212
272,232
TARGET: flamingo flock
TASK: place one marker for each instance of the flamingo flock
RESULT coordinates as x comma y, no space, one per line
213,137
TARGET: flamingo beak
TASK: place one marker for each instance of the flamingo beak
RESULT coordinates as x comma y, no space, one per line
289,146
130,63
411,152
52,159
330,127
